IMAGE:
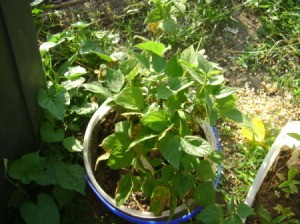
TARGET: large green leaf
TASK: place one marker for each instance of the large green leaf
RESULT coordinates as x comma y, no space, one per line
205,194
195,145
55,100
44,211
131,98
27,168
50,134
170,149
160,199
123,189
154,47
157,120
71,177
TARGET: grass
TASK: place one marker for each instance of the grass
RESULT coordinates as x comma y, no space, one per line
84,40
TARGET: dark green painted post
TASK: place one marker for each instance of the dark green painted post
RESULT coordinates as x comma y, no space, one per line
21,76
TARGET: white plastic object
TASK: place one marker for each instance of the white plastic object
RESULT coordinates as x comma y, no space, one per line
282,140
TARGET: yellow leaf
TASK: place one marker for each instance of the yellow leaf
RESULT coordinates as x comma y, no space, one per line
154,27
258,133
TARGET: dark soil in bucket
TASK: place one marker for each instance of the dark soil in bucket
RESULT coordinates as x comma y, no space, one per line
272,198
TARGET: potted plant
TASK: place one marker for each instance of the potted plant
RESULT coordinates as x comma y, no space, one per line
155,135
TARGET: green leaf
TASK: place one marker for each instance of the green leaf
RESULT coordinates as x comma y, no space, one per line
149,185
125,127
143,60
72,84
62,195
170,149
96,87
71,177
243,211
141,139
238,117
293,171
225,91
205,171
27,168
154,16
211,214
163,92
216,80
72,144
91,47
157,120
189,55
183,183
116,142
123,190
203,64
189,162
295,136
173,67
120,160
233,219
195,145
48,171
167,173
49,134
115,80
160,199
179,83
75,72
168,25
55,100
131,98
205,194
152,46
85,109
200,78
158,63
44,211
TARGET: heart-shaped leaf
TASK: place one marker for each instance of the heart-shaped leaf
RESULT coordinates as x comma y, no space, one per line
44,211
50,134
55,100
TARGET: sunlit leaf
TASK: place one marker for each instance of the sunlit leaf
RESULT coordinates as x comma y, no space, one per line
258,133
72,144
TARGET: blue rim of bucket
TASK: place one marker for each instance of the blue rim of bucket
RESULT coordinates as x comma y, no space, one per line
138,220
